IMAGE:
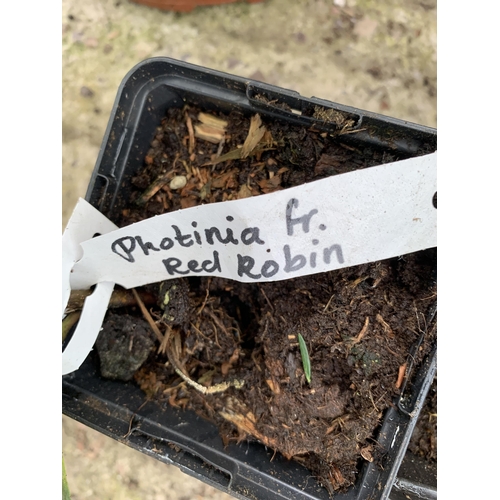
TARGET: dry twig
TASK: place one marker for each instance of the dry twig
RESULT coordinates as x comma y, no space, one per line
238,384
68,322
189,125
119,298
361,334
147,316
153,188
164,343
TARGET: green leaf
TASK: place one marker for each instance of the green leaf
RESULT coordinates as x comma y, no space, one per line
306,362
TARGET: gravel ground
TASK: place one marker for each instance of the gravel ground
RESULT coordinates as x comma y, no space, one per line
379,56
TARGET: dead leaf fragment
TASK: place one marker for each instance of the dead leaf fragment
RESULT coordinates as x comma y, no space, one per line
152,190
245,421
223,180
234,357
275,388
366,453
188,202
244,192
235,154
259,139
255,134
224,368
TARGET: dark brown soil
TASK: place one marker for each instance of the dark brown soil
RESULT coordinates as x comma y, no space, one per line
123,345
359,324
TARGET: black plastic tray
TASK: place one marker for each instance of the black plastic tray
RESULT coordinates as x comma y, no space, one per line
417,480
117,409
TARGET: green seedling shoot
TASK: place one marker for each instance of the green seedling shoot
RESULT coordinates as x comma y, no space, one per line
306,362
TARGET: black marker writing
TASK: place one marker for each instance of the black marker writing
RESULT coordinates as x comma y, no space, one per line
305,220
254,266
182,238
124,247
214,231
146,246
196,234
327,252
173,264
166,243
127,245
294,263
251,235
246,264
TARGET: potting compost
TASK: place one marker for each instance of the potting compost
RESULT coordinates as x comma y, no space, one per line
230,351
423,441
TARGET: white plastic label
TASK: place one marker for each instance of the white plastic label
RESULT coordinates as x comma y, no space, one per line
84,223
341,221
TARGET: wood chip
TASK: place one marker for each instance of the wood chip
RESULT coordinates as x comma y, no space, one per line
212,121
208,133
401,375
188,202
222,180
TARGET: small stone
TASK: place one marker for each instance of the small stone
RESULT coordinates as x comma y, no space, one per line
77,37
300,37
86,92
178,182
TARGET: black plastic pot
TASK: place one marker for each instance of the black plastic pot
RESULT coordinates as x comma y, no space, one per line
177,437
417,480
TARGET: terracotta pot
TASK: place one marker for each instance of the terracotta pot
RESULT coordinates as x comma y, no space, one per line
185,5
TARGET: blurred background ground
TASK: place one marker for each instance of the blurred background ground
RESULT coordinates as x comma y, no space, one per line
379,56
